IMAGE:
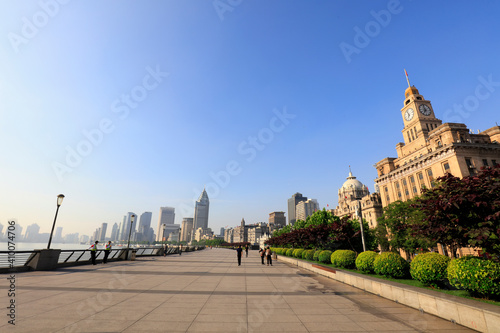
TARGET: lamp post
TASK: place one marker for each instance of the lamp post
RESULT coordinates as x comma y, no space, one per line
164,226
60,198
132,218
360,217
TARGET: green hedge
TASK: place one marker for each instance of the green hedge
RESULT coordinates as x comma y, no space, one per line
325,256
297,253
391,265
289,252
343,258
316,255
364,261
429,268
474,274
309,254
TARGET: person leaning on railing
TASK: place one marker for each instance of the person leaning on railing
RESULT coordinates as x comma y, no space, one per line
93,252
107,250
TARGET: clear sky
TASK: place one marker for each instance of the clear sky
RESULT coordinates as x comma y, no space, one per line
133,105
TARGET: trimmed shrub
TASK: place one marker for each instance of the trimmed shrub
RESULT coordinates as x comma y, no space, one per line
429,268
391,264
276,250
364,261
309,254
325,256
474,274
316,255
298,253
303,255
343,258
289,252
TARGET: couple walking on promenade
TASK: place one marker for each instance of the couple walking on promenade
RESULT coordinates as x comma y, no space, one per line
263,253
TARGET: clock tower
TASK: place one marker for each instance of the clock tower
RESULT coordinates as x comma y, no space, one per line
418,117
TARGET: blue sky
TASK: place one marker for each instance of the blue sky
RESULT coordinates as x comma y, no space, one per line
272,97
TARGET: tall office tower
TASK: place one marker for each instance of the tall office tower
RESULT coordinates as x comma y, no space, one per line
114,232
201,212
144,225
58,236
102,232
221,232
306,208
121,233
128,227
277,220
292,206
32,233
187,229
167,217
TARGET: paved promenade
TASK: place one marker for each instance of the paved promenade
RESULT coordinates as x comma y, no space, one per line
204,291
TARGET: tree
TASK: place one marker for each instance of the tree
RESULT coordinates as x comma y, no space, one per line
461,212
394,230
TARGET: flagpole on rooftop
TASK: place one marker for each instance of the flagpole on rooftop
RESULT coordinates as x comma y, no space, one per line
407,80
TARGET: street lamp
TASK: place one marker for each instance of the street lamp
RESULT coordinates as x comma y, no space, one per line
164,226
132,218
60,198
360,217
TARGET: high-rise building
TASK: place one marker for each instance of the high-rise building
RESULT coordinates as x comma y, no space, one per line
306,208
186,229
277,220
200,219
58,236
101,237
122,231
221,233
32,233
114,232
143,231
292,205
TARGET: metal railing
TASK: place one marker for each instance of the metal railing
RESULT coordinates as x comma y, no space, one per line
12,261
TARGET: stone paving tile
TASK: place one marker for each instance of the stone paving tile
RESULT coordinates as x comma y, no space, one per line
204,292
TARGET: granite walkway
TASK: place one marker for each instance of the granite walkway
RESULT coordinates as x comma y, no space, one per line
204,291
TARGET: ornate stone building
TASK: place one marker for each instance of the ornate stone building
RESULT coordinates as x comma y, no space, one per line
354,194
430,150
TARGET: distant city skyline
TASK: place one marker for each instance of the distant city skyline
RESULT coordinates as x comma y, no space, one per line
132,106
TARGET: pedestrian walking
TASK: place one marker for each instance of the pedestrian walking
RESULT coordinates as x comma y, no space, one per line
262,253
239,251
246,250
165,250
268,255
93,252
107,250
180,250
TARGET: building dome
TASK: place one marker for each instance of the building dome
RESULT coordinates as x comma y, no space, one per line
353,187
352,183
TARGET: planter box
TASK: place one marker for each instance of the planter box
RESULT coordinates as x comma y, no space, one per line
479,316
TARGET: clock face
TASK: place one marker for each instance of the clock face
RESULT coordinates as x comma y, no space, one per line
424,109
409,114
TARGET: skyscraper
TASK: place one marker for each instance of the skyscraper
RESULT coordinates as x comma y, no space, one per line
102,233
167,218
292,205
277,220
306,208
201,212
143,231
187,229
114,232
